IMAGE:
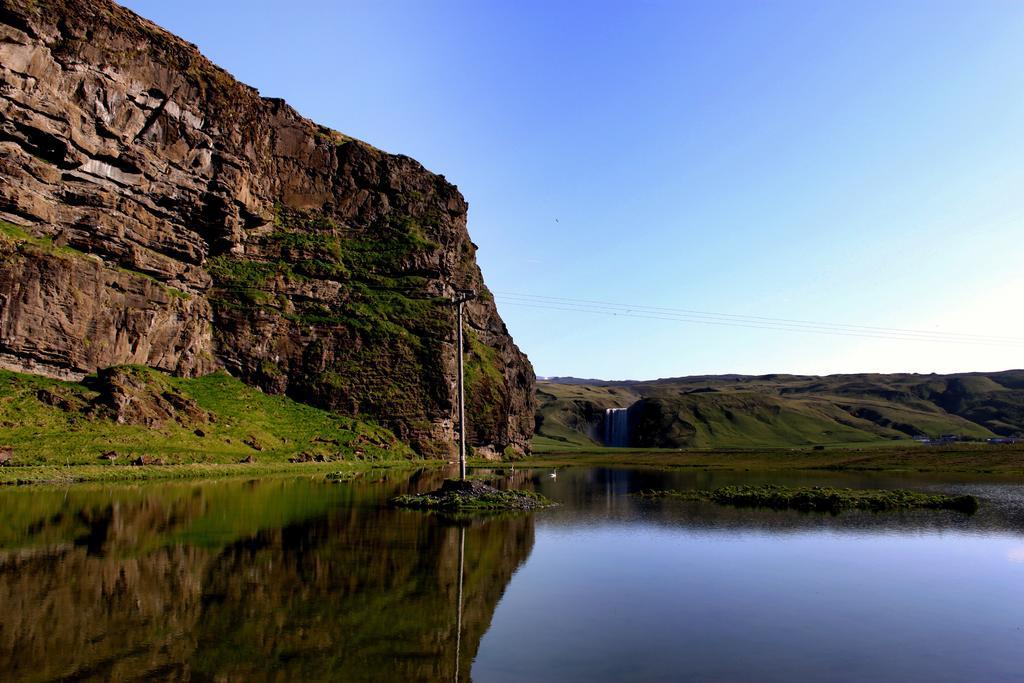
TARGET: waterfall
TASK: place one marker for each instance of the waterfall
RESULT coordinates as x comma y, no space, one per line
616,427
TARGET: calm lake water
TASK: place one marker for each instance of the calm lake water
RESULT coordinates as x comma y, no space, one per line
291,579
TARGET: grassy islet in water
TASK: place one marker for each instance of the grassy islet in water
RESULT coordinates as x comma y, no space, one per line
822,499
470,496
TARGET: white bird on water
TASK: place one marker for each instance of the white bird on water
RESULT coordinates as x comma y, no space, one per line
554,474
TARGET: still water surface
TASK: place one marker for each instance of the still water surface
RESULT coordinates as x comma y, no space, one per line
299,579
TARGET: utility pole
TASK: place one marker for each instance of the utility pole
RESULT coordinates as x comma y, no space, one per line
459,298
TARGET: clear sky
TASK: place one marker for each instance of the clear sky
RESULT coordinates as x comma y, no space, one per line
845,162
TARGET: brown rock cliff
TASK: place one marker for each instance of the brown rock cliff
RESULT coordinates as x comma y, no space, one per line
156,211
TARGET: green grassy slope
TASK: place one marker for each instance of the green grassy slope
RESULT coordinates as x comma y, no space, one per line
49,422
786,410
571,413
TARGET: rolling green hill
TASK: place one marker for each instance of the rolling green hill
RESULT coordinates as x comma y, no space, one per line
128,412
784,410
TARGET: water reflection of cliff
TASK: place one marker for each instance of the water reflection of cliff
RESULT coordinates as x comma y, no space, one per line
179,583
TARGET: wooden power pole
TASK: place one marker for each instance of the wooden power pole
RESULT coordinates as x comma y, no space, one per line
459,298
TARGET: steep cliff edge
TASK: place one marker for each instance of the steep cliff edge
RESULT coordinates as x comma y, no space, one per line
156,211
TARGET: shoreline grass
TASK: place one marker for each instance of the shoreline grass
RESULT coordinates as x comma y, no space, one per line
80,474
963,458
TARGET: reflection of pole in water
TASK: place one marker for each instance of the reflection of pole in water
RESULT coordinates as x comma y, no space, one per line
458,613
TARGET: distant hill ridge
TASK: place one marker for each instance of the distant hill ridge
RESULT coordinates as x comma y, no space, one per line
785,410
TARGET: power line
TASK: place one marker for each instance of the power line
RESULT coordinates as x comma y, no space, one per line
754,318
755,324
684,319
750,325
683,315
787,323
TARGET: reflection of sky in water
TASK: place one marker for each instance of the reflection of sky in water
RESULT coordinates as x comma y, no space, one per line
624,589
297,579
600,496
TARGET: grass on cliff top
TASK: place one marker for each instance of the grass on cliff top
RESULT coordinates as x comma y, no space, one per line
244,422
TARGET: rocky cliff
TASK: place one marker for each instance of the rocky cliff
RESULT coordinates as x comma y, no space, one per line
156,211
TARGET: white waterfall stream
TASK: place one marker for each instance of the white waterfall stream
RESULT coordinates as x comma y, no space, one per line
616,427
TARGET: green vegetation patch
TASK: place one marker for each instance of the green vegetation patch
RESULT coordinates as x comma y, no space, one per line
14,232
17,236
50,424
14,238
822,499
485,387
472,496
243,282
317,243
380,300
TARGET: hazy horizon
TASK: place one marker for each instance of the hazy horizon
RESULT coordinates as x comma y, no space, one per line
852,164
547,378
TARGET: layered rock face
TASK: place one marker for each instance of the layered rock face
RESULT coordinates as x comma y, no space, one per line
156,211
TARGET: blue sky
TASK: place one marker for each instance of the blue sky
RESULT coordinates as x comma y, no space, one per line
846,162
